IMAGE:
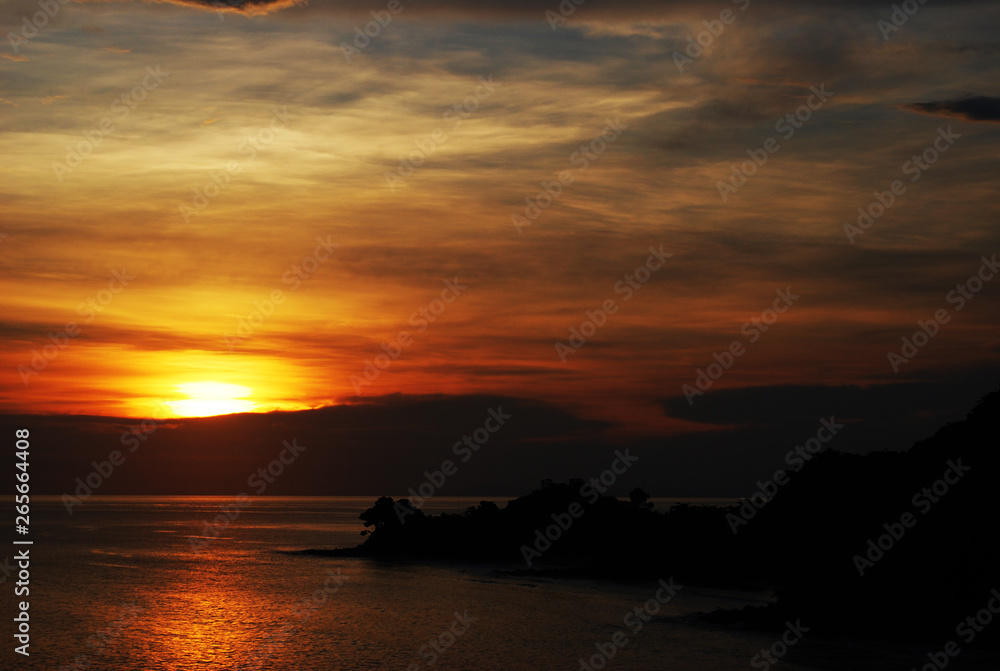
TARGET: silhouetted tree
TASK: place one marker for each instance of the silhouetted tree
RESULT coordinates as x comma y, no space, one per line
640,499
384,514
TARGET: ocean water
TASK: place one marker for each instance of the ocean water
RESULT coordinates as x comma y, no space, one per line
117,586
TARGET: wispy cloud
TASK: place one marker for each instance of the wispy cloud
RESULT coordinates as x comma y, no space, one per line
324,174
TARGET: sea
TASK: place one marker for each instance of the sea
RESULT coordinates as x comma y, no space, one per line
135,584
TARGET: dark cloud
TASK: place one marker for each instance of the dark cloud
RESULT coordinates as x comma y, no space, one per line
370,446
384,445
761,424
976,108
248,7
646,9
929,402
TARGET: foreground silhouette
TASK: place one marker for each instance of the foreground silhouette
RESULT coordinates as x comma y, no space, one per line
889,546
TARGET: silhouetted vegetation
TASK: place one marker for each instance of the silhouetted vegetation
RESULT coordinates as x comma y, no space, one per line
396,529
940,570
804,542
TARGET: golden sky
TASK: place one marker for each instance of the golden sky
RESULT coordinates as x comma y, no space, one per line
172,173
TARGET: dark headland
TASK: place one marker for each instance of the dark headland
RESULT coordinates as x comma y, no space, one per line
889,545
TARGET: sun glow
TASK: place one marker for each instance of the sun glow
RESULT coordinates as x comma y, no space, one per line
206,399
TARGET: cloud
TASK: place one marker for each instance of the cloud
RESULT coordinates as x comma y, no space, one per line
912,402
380,445
976,108
648,10
324,175
246,7
384,445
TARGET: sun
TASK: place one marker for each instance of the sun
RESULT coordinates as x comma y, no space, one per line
206,399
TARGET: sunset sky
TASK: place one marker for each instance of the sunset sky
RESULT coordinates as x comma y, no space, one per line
493,99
